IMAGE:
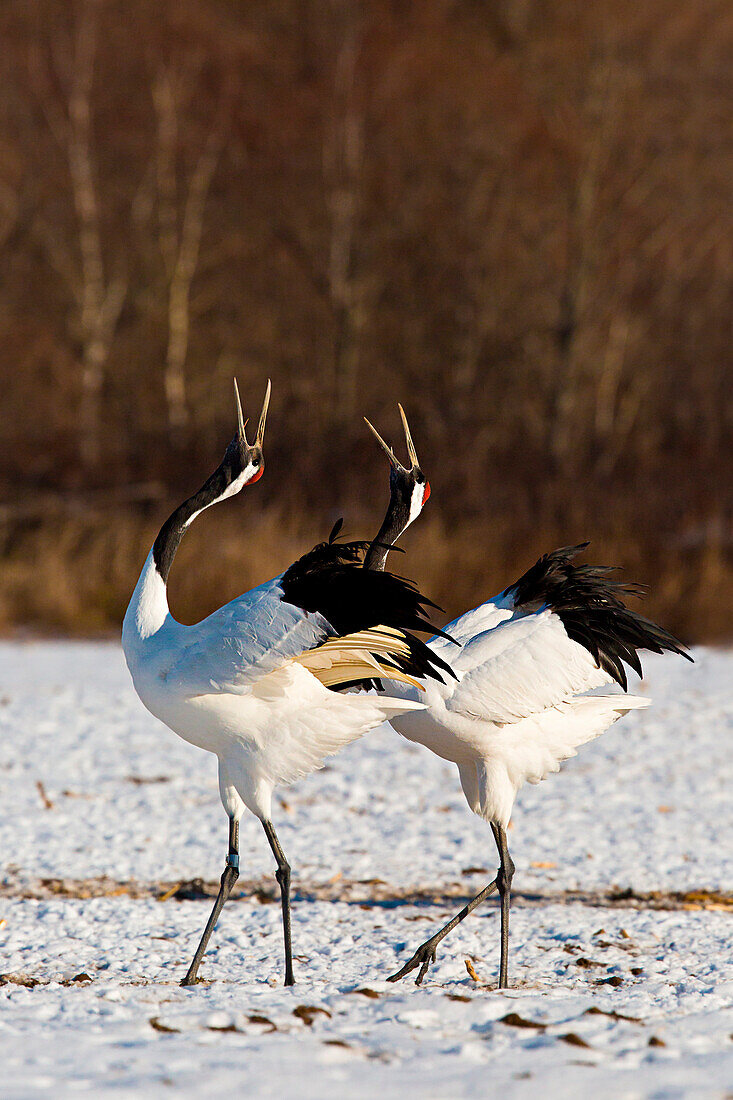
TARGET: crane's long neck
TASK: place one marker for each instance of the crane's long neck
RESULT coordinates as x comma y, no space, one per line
395,521
171,533
148,609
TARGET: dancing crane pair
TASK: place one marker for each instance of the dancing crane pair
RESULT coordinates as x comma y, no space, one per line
289,673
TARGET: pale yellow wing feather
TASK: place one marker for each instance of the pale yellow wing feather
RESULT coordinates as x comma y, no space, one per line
357,657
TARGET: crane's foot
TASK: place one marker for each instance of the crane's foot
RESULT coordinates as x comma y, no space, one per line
423,957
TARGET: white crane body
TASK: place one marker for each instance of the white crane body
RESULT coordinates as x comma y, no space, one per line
518,707
258,682
232,684
528,666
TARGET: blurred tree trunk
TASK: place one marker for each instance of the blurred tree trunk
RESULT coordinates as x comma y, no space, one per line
180,227
600,108
343,164
98,297
9,195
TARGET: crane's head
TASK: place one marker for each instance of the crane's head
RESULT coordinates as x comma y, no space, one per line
244,462
409,488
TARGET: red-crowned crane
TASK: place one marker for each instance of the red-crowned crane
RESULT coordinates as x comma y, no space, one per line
525,664
256,682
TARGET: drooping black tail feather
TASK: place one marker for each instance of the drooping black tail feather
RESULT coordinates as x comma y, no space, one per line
330,579
592,610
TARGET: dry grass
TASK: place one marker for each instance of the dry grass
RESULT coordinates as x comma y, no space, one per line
76,575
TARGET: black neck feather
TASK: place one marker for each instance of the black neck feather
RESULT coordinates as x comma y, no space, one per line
171,533
394,523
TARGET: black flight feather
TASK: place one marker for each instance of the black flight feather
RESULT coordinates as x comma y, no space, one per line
330,579
592,611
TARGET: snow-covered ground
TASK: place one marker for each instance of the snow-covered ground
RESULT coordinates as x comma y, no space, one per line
383,849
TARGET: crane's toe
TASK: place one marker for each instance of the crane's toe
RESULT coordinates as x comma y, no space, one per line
423,957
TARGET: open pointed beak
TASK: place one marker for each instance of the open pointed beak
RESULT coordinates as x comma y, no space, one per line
241,422
415,465
385,447
410,445
263,416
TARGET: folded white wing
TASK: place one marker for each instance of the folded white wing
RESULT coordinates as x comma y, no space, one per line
480,619
519,668
243,641
259,633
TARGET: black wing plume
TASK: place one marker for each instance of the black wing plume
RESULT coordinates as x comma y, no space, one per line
330,579
592,610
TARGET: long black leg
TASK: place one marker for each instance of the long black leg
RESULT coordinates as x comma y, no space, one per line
283,877
228,878
425,953
504,882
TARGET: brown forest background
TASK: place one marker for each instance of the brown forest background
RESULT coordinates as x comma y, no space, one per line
512,215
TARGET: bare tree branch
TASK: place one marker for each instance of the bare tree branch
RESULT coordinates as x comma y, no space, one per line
98,300
602,112
180,231
343,158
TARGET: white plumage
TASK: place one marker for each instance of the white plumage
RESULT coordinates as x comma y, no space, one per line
518,707
251,683
235,684
528,667
526,698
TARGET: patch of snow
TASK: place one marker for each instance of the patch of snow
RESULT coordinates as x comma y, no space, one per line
645,807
